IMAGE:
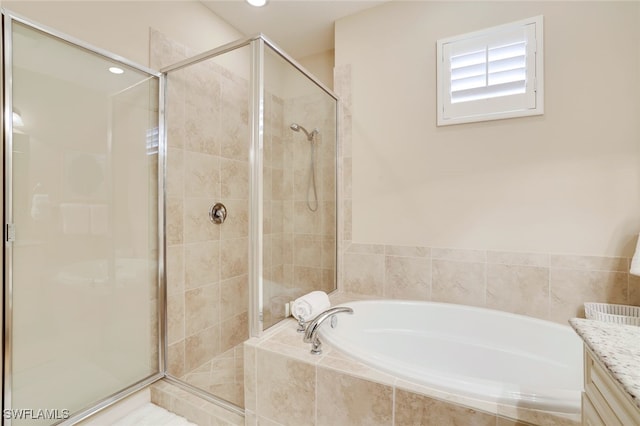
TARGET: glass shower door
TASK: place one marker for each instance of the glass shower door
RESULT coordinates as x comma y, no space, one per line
299,174
82,167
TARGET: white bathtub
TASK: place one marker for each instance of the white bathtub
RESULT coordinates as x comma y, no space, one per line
479,353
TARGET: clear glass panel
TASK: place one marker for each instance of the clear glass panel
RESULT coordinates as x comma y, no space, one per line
85,203
299,253
207,266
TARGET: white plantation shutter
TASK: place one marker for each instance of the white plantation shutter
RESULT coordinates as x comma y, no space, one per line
491,74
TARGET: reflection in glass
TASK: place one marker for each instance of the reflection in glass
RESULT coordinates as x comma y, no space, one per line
85,261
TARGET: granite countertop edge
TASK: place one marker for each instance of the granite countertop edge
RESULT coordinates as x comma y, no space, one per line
618,349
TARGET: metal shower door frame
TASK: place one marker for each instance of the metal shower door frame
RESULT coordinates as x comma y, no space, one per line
8,18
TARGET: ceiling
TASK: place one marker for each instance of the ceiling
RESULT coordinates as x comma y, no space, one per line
301,27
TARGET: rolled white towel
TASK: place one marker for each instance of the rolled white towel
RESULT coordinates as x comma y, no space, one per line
635,261
310,305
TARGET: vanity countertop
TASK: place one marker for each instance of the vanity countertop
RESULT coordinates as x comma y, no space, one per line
618,349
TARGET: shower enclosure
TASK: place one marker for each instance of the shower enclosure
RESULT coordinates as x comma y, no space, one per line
237,120
82,246
154,220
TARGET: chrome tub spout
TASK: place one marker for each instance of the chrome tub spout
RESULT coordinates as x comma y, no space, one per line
311,333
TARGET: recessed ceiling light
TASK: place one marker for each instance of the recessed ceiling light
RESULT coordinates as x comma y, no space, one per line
257,3
116,70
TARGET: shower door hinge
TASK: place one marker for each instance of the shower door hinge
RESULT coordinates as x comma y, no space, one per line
11,232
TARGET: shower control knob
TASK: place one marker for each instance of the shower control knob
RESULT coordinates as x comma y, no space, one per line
218,213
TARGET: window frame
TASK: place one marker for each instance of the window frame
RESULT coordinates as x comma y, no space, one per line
497,108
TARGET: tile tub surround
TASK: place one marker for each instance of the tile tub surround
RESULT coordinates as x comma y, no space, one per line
286,385
552,287
618,348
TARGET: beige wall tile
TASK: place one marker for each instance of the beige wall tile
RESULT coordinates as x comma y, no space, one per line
202,100
364,274
234,178
458,282
250,418
407,251
175,317
327,210
201,175
590,263
277,184
518,289
301,178
237,223
190,410
277,217
347,191
160,397
266,217
267,183
347,219
571,288
175,172
263,421
202,263
250,377
235,122
307,251
201,347
524,259
461,255
234,331
304,220
175,359
347,400
413,409
407,278
336,360
197,225
233,258
175,269
202,308
285,389
327,180
175,227
234,295
366,248
306,279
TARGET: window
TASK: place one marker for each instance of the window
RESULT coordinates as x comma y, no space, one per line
491,74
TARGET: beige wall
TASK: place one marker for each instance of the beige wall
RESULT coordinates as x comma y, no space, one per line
565,182
320,65
122,27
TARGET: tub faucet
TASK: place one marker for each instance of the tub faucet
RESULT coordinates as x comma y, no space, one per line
311,333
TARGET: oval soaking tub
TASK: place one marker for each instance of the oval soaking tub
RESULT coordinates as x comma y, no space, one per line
480,353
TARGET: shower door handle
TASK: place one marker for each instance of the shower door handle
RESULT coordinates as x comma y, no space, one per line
218,213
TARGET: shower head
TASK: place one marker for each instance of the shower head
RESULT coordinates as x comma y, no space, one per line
296,128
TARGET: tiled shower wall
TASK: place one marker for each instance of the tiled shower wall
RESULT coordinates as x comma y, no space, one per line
542,285
299,244
207,268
